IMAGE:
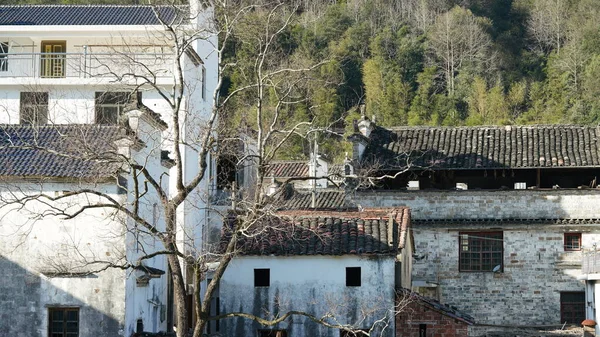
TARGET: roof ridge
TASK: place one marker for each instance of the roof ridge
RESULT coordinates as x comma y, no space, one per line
532,126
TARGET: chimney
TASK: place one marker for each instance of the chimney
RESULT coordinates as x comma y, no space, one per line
365,126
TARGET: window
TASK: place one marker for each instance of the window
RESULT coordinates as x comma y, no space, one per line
353,277
53,59
203,82
3,56
481,251
63,322
262,277
110,106
572,241
572,307
272,333
34,108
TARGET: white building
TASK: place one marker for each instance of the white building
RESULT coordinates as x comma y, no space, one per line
342,266
74,70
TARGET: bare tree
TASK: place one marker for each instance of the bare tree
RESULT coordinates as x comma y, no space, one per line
151,213
458,39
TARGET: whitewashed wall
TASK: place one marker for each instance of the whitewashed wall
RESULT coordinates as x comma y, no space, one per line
315,284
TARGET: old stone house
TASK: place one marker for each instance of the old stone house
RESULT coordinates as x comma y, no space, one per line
500,214
338,265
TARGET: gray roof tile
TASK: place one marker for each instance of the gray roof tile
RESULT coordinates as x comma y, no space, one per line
325,233
484,147
59,151
86,15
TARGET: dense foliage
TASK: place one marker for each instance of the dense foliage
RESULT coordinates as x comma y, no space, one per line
433,62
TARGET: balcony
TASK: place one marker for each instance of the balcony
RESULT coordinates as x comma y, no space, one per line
114,66
591,262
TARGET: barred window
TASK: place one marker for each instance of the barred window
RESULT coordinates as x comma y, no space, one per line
480,251
3,56
34,108
63,322
572,241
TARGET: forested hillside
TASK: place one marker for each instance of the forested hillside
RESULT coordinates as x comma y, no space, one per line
432,62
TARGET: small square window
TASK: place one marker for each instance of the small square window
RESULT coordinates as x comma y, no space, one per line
572,241
353,277
262,277
63,322
34,108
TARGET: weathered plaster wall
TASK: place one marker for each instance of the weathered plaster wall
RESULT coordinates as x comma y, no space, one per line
315,284
473,204
32,248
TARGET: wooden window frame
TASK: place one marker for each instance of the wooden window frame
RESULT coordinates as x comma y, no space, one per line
564,305
477,258
117,100
33,108
65,321
567,245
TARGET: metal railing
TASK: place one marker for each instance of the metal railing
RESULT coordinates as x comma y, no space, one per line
87,65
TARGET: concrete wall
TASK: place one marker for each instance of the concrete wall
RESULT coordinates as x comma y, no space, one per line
315,284
473,204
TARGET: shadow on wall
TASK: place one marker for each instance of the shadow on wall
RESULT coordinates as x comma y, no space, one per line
22,312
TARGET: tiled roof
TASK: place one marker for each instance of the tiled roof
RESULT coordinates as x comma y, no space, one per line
501,222
74,151
435,305
370,232
332,199
86,15
485,147
288,169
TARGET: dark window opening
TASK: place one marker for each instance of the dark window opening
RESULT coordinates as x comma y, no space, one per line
262,277
226,171
215,310
572,241
481,251
272,333
353,277
139,326
572,307
422,330
34,108
3,56
490,179
354,333
63,322
110,106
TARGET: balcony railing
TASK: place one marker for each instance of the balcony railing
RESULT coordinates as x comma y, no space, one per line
87,65
591,262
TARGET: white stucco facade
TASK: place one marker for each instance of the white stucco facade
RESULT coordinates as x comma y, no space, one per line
110,302
312,284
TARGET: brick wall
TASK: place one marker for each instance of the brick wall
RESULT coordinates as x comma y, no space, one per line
415,314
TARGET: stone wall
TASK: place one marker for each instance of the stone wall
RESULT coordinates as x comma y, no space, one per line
481,204
535,266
